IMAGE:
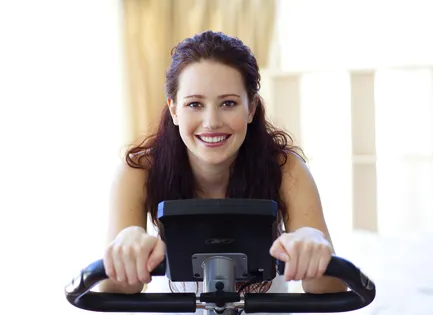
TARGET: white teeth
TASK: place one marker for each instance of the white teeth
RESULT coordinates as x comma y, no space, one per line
213,139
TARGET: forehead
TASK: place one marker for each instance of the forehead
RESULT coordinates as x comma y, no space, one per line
210,79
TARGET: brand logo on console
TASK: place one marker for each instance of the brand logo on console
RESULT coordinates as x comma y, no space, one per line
219,241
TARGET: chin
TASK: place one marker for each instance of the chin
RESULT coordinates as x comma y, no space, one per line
214,159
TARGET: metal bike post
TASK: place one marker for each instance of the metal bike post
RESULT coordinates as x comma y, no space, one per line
217,270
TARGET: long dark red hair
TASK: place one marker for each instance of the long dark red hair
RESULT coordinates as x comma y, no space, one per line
256,172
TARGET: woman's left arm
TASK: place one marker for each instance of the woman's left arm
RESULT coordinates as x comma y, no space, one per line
307,246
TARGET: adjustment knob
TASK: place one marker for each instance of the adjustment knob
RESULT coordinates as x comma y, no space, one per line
219,286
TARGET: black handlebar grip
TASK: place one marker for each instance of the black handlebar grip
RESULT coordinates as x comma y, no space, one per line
140,302
363,293
301,302
79,295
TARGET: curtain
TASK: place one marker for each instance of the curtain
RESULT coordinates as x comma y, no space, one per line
153,27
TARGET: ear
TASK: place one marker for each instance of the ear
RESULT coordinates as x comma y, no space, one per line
253,106
172,107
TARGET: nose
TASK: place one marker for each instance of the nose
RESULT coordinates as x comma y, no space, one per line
212,118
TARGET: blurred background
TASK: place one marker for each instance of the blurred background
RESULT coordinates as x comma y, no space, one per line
351,80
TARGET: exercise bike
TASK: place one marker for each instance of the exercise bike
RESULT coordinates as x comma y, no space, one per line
221,242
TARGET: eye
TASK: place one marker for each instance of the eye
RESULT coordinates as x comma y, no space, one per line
229,104
194,104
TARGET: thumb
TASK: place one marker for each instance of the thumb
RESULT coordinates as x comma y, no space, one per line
157,255
278,251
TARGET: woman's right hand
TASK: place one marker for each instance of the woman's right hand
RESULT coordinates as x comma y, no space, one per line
133,254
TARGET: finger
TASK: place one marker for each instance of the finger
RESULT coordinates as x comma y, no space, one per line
118,264
157,255
141,265
305,253
293,251
129,262
313,264
323,264
108,263
278,251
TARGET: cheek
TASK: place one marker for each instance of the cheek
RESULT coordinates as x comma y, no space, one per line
187,125
238,123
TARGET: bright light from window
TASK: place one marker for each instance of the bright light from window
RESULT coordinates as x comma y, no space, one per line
61,96
404,127
326,125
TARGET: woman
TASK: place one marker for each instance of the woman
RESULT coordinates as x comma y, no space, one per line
214,141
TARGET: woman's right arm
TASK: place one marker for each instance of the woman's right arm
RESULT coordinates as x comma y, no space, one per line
129,246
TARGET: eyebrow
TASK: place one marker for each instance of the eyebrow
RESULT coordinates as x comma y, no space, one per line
220,96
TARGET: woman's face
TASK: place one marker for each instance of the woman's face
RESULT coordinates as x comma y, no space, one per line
212,111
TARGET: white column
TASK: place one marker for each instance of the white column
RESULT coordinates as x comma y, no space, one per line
286,104
364,151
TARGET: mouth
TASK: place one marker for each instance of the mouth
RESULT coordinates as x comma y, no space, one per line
213,139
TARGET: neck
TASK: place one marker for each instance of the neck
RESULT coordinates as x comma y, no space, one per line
211,180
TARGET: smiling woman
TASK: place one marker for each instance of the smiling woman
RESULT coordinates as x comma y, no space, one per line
214,141
212,90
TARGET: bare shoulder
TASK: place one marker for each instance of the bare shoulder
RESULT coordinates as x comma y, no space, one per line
294,167
301,196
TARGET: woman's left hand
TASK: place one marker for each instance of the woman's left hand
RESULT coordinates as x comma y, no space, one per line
306,253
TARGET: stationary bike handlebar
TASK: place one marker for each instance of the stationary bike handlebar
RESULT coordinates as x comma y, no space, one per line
362,293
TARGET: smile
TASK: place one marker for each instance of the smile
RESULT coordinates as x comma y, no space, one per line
213,140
